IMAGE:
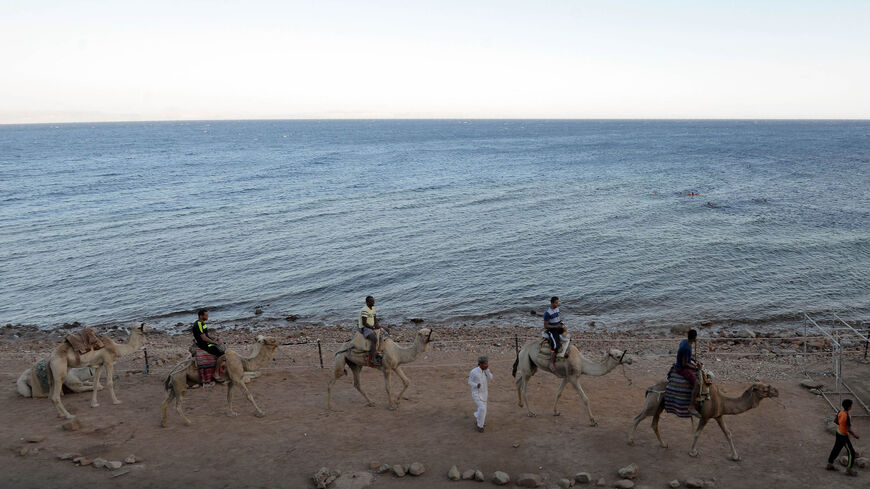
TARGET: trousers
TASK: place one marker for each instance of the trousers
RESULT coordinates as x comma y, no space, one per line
843,441
480,414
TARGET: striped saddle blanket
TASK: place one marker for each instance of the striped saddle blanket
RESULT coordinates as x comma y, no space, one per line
205,363
678,395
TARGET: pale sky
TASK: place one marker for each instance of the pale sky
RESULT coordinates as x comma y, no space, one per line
122,60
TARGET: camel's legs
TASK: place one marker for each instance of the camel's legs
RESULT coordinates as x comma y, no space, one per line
179,404
260,412
338,372
645,413
405,380
230,411
58,375
94,402
558,395
701,423
387,380
721,421
163,407
355,369
110,380
660,407
585,400
522,384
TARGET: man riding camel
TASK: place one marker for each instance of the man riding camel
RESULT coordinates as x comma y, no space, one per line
206,342
687,367
368,323
554,329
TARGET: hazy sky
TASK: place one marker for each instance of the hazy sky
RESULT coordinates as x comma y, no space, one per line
121,60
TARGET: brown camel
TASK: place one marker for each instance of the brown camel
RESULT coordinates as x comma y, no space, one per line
186,375
394,356
714,408
535,355
64,357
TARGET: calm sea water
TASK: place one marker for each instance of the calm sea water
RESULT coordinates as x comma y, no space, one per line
446,220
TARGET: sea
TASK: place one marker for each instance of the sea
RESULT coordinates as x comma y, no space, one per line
634,224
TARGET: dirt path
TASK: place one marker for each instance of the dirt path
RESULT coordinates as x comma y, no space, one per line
782,445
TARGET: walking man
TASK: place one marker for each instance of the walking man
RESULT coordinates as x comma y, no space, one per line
844,429
368,323
479,379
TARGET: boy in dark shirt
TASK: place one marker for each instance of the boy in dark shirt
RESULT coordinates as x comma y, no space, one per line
205,342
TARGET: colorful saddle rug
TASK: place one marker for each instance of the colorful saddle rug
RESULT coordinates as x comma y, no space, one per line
205,363
678,395
42,375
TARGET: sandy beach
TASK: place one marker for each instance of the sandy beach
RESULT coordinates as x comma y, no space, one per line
783,442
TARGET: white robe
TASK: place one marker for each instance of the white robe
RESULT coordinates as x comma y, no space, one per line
479,395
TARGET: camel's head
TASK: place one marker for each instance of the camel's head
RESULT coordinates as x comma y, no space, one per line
620,356
425,334
764,390
141,327
267,341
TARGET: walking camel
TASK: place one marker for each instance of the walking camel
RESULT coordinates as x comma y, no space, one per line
186,375
534,356
714,408
64,358
394,356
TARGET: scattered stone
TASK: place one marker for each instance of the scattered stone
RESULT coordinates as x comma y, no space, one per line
565,483
601,482
67,456
529,480
582,477
591,324
119,474
384,468
72,425
516,445
843,460
674,484
114,465
500,478
82,461
323,477
354,480
416,469
861,462
478,476
453,474
292,318
628,472
468,475
101,463
694,483
131,459
258,311
416,320
624,484
746,333
399,470
22,451
34,439
374,465
811,384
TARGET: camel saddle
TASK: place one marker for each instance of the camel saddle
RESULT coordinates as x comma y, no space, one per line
360,345
206,363
84,341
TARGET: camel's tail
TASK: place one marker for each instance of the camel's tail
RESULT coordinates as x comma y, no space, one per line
516,364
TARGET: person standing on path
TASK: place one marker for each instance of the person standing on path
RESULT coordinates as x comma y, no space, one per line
478,379
844,429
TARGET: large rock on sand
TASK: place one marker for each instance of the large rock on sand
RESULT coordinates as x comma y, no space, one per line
529,480
453,474
500,478
416,469
582,477
322,478
628,472
624,484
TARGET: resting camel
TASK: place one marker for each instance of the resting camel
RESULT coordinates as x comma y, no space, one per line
64,358
714,408
394,356
530,359
186,375
79,379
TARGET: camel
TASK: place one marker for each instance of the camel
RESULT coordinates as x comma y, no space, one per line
714,408
530,359
394,356
64,358
79,379
186,375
